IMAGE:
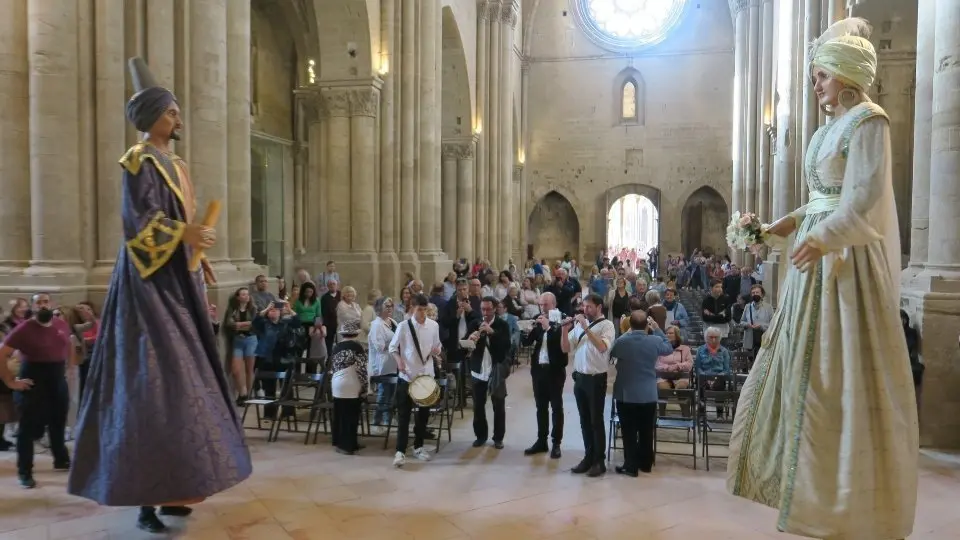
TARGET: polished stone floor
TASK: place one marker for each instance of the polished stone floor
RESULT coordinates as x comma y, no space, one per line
311,493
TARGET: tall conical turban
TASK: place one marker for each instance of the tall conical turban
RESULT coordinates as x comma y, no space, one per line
150,100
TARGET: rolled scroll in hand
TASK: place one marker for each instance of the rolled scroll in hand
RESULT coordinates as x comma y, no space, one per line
209,220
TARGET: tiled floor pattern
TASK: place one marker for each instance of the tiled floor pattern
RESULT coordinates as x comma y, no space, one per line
311,493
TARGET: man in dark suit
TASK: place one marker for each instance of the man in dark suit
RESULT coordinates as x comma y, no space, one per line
548,365
489,368
564,288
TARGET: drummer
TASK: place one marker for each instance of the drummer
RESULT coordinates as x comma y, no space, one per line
414,345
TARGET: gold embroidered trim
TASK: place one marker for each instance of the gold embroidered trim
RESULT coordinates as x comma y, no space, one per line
149,255
132,161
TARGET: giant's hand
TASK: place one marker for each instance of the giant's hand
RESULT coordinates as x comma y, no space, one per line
783,227
199,236
805,256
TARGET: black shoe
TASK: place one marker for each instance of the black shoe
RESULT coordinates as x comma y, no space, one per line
646,471
498,445
176,511
61,465
241,401
555,452
344,452
478,443
148,521
598,469
538,447
5,445
626,472
27,481
581,467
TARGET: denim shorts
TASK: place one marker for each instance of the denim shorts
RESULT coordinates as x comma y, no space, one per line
244,346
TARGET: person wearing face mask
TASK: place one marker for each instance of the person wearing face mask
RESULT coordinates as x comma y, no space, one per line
756,319
44,344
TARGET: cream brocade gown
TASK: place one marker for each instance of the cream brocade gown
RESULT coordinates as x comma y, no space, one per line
826,427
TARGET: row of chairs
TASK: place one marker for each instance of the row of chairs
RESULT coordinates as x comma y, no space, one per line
311,392
687,410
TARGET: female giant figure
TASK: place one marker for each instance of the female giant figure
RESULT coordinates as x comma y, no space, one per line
826,429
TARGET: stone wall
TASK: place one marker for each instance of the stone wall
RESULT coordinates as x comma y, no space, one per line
681,142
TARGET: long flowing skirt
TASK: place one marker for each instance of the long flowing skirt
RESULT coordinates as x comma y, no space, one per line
826,427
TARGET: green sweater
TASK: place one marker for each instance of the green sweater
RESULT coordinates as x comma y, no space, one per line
307,313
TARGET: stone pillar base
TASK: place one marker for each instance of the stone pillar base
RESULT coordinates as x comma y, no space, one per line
933,303
389,282
433,268
409,262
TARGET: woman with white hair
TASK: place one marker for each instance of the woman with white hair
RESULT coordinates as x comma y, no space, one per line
826,428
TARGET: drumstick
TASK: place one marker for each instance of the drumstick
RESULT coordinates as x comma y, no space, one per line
209,220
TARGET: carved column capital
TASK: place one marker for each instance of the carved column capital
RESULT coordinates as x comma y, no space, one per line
509,12
457,150
736,6
486,9
334,102
349,97
364,101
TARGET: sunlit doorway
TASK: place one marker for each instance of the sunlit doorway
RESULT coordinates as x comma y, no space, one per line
633,227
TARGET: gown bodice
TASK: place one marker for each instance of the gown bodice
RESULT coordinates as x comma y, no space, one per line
826,159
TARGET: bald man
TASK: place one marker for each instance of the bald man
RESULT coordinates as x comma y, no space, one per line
548,370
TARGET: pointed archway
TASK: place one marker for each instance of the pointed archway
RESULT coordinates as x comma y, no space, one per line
554,228
704,221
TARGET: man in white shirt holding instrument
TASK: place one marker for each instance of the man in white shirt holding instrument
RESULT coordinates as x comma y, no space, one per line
589,342
415,346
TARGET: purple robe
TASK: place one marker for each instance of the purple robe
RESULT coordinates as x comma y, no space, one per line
157,424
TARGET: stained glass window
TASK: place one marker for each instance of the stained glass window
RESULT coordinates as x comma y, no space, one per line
630,23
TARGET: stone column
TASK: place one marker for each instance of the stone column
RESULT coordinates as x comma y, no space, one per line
15,241
160,54
944,237
363,218
466,202
741,17
449,200
207,116
54,141
524,146
494,130
765,116
922,132
508,20
482,128
336,204
810,117
753,94
111,128
408,89
517,212
388,260
935,294
238,137
429,213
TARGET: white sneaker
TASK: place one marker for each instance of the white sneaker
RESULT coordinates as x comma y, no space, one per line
399,460
421,454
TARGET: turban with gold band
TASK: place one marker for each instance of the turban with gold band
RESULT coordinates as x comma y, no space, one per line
844,50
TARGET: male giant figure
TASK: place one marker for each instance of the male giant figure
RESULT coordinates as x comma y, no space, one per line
156,426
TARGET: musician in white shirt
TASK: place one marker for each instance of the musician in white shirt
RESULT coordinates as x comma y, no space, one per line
589,343
413,361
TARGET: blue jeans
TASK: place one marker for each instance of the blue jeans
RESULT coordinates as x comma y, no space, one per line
385,394
244,346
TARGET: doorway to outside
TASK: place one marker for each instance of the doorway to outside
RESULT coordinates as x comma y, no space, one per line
633,228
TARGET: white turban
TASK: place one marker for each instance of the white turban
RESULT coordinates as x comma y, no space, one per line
845,52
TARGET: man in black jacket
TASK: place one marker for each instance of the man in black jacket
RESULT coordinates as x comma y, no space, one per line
487,364
456,318
564,288
548,365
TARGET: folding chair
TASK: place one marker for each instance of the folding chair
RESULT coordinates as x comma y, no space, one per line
259,404
687,424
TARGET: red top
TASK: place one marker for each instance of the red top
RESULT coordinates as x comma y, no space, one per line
39,343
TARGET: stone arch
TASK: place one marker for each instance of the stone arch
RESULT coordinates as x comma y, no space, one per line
629,76
614,194
457,109
554,227
704,221
344,38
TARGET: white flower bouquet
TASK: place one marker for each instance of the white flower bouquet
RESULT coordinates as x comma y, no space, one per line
746,233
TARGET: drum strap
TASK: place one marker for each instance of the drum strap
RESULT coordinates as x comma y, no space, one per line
416,340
